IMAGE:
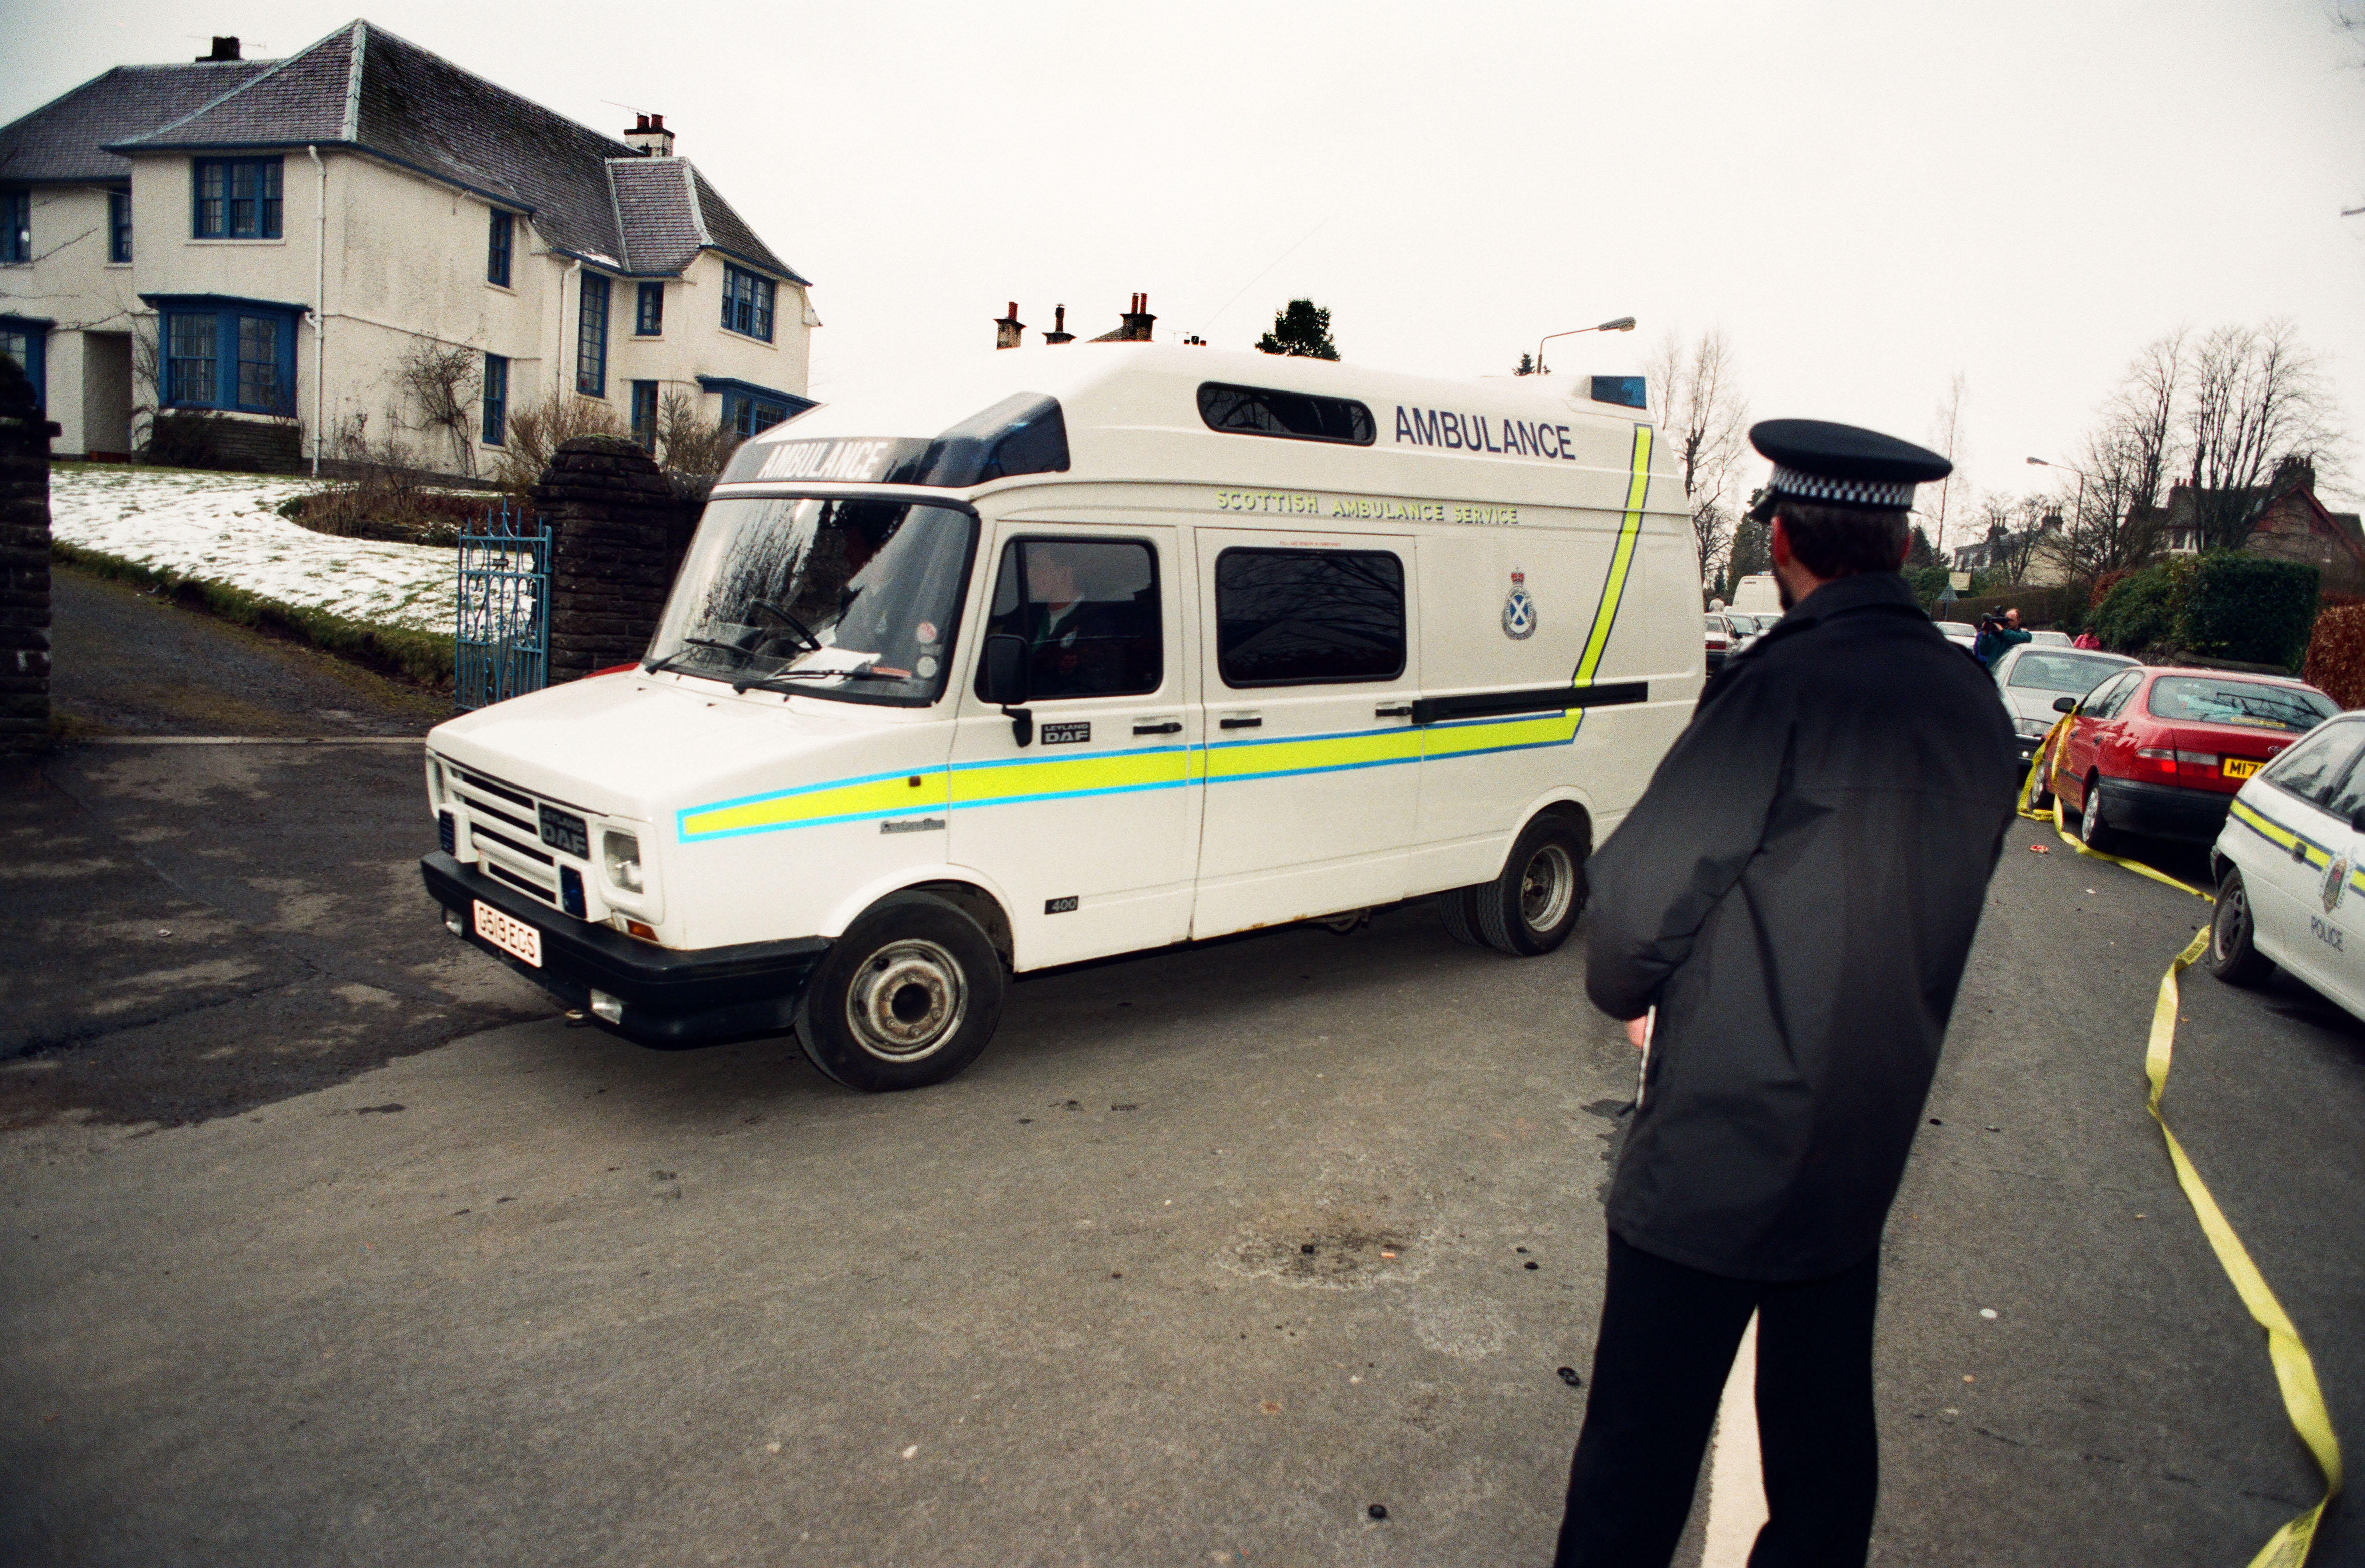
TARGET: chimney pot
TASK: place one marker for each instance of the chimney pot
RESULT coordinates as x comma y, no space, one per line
649,136
1058,332
1006,330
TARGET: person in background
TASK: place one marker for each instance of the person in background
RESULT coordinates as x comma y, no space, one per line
1794,896
2085,640
1997,638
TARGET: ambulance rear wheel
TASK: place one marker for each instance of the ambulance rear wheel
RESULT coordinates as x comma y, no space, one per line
908,997
1530,909
1458,909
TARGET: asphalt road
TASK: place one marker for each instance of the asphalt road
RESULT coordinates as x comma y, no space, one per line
361,1280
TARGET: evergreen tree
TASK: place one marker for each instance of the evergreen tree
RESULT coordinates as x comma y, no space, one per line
1920,554
1527,366
1302,328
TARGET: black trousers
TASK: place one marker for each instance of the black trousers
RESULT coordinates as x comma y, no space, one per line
1668,1334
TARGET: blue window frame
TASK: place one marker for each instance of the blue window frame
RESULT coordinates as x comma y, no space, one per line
238,198
592,339
747,414
747,303
228,353
498,239
16,227
644,414
118,226
27,342
496,399
649,320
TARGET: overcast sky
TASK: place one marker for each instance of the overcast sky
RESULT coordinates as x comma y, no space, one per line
1868,198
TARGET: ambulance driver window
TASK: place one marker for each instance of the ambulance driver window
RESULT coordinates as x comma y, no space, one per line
1088,608
1308,617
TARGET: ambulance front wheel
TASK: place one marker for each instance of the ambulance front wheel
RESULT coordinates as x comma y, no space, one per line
908,997
1530,909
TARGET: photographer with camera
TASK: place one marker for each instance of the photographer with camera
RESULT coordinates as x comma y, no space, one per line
1997,638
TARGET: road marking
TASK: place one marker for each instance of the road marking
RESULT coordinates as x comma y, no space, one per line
1736,1487
251,740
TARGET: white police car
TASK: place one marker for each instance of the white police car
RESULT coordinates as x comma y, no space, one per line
2290,887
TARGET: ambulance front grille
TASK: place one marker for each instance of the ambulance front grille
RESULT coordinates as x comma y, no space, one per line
504,831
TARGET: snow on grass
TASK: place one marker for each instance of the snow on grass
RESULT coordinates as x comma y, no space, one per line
223,527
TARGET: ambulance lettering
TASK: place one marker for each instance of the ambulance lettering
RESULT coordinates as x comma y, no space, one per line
1477,433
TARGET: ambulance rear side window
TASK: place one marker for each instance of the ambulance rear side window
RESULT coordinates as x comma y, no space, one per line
1294,416
1308,617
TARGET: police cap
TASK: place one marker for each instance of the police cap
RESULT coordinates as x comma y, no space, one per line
1841,465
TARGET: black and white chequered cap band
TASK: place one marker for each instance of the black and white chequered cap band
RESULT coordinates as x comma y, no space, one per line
1881,493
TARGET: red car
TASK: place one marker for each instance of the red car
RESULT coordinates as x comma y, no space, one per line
2160,752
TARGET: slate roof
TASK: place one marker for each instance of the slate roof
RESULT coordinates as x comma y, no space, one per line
64,141
363,89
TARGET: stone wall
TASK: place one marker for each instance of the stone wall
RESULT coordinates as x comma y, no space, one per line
24,564
202,440
618,535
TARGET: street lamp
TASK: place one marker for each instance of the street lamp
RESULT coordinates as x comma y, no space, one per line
2081,505
1623,324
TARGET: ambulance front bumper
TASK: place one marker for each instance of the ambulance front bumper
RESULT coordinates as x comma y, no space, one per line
672,999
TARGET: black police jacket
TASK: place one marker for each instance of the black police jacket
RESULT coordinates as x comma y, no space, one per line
1796,892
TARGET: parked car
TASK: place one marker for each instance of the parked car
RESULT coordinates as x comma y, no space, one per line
2161,751
1753,624
1959,632
2050,639
2287,863
1720,642
2031,676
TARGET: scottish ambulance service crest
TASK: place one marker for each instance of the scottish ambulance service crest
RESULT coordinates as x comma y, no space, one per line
1518,610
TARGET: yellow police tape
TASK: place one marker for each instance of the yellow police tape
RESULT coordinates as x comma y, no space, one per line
2294,1370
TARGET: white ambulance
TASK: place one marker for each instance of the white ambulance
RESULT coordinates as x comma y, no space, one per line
1087,650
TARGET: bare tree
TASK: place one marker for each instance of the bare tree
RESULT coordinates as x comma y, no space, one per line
2257,396
442,381
1946,435
1705,421
2125,462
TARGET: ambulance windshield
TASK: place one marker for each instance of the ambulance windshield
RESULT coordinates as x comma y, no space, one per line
854,600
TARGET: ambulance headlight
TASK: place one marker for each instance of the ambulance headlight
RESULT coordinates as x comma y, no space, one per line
620,856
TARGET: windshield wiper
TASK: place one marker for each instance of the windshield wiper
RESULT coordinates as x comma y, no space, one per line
673,661
764,683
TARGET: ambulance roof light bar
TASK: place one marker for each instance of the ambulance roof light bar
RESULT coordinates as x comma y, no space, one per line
1623,324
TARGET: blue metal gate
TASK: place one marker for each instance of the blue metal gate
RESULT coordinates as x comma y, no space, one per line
501,632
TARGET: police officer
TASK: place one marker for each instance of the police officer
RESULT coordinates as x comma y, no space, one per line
1795,894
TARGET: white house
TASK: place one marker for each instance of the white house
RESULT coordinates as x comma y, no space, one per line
275,239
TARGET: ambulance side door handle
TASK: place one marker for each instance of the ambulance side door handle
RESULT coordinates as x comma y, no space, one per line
1158,727
1244,722
1401,710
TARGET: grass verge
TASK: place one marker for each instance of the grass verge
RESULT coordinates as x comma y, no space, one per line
421,658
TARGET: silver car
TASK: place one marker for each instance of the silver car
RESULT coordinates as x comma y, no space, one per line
2030,675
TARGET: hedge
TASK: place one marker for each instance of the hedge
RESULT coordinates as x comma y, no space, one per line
422,658
2250,608
2335,654
2239,608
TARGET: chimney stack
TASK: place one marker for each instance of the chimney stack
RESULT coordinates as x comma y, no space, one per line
649,136
1008,328
1137,321
224,49
1058,332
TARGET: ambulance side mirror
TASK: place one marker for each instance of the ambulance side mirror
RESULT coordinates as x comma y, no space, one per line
1002,680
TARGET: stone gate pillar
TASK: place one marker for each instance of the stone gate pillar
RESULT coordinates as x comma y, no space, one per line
24,565
618,535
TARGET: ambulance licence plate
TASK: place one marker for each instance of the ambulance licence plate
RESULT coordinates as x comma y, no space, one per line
514,938
2241,767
